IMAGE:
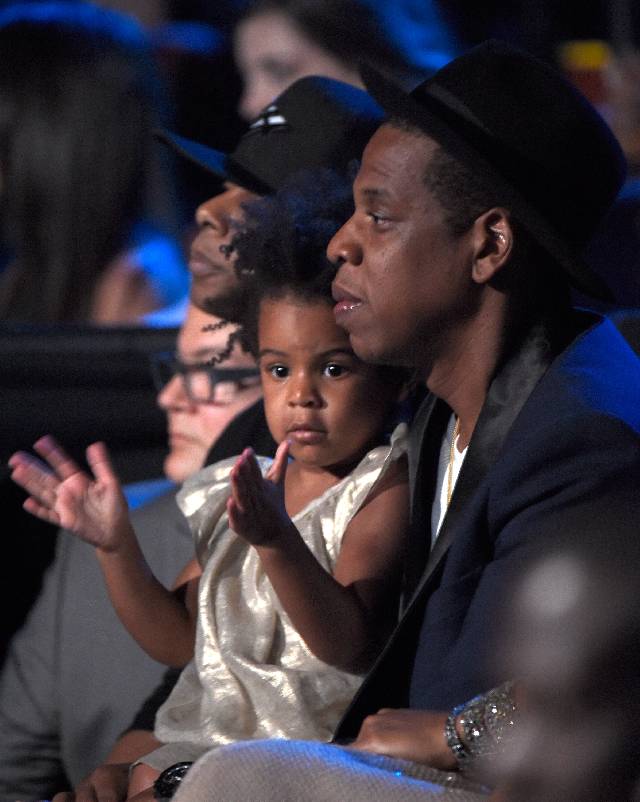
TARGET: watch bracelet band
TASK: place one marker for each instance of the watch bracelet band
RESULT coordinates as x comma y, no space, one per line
453,740
167,783
484,722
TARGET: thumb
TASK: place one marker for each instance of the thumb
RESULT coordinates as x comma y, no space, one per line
100,463
278,469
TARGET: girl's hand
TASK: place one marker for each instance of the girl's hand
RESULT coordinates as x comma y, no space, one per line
256,507
61,493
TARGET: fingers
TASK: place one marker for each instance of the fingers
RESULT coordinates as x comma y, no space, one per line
65,796
233,513
34,476
46,513
246,481
108,783
51,451
100,463
278,469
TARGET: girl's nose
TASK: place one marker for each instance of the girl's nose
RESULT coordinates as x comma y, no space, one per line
303,392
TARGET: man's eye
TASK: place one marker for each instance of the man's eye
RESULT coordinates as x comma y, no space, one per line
377,219
278,371
334,370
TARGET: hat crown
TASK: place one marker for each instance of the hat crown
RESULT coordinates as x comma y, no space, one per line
530,136
317,122
536,128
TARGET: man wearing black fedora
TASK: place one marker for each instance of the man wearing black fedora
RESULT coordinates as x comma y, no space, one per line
473,203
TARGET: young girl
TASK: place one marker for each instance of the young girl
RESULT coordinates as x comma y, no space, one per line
293,592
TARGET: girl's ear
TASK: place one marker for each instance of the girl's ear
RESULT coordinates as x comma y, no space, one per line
492,238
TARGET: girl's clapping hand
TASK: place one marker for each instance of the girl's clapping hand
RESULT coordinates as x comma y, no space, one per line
256,507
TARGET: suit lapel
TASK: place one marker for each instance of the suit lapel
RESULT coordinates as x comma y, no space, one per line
389,678
507,394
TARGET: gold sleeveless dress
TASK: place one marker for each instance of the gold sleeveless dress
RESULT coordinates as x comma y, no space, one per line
252,675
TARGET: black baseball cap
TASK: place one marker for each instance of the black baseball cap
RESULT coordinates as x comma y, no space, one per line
315,122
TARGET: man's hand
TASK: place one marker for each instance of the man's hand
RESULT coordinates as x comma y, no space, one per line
416,735
107,783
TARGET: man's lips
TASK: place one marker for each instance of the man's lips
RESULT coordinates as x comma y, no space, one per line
201,266
345,301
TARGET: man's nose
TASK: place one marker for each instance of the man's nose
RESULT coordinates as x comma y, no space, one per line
344,246
210,214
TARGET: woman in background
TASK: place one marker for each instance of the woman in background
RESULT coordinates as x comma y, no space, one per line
79,98
279,41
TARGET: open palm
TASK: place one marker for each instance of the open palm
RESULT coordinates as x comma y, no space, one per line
256,508
60,492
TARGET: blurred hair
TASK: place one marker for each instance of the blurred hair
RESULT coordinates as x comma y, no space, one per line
401,39
281,250
79,97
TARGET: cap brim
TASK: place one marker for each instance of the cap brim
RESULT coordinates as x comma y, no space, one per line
444,126
221,165
213,161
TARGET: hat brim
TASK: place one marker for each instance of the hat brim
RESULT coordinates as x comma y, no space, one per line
213,161
221,165
455,130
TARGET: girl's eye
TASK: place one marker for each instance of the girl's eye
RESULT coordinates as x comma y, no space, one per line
278,371
333,370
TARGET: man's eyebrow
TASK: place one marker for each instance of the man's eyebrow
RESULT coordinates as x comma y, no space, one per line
372,193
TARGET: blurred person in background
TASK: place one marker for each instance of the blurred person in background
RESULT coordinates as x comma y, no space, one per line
83,202
55,725
279,41
572,633
195,413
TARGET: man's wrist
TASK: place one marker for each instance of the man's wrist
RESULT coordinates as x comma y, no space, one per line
475,731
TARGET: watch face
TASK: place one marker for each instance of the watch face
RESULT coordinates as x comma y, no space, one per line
165,786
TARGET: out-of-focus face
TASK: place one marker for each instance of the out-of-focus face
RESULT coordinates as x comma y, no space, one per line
317,393
272,52
213,278
193,427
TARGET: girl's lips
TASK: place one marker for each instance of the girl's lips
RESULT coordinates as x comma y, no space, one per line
305,435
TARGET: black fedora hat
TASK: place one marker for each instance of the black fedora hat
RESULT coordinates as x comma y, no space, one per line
315,122
530,134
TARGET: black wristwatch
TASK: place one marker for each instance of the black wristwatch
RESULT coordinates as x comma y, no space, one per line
169,780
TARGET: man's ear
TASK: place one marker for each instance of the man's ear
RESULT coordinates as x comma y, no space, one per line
492,239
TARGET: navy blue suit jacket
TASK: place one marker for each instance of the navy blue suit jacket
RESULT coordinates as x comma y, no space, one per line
555,454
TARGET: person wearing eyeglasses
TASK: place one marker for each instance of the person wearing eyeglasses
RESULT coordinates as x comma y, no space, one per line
201,389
